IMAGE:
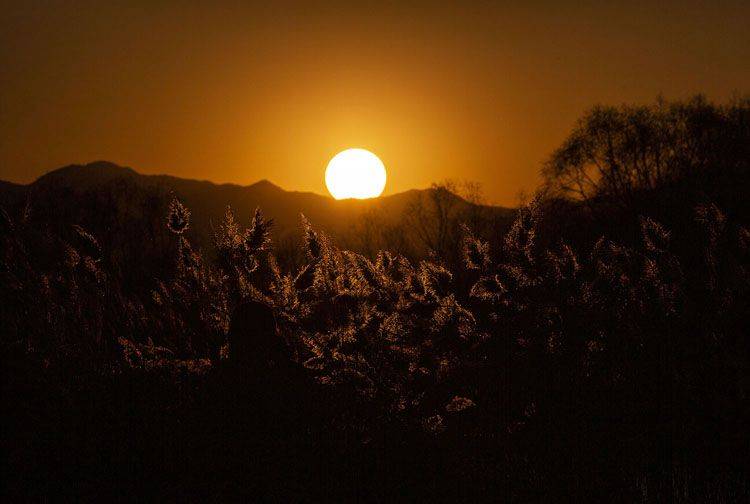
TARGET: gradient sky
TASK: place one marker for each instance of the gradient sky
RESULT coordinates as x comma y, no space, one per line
237,92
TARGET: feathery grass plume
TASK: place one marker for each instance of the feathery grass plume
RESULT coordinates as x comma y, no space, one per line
435,279
305,279
612,261
451,315
369,278
385,261
513,277
563,263
392,327
655,236
235,259
402,270
178,219
282,290
189,261
227,237
258,236
274,268
131,354
488,288
88,244
412,281
314,243
520,241
662,268
238,253
458,404
476,252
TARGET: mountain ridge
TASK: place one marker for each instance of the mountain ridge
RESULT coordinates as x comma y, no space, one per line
126,210
112,170
90,175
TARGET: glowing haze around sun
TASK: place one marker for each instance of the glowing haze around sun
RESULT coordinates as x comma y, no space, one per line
355,173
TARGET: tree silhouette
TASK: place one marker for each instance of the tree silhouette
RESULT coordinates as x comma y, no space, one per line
615,153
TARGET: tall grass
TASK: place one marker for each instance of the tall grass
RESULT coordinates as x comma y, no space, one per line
635,356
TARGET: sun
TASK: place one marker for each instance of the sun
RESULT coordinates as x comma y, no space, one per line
355,173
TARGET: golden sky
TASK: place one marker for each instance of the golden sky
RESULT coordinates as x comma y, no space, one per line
237,92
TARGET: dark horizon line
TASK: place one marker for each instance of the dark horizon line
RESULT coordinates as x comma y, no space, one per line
264,181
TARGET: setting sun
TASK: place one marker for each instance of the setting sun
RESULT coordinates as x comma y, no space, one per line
355,173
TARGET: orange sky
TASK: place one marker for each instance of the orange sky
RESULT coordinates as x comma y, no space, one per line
236,92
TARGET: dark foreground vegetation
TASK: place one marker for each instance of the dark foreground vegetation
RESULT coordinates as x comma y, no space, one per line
596,351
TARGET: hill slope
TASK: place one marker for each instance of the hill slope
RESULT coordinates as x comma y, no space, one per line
126,210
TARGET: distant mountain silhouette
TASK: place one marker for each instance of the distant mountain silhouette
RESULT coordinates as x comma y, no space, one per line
126,210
